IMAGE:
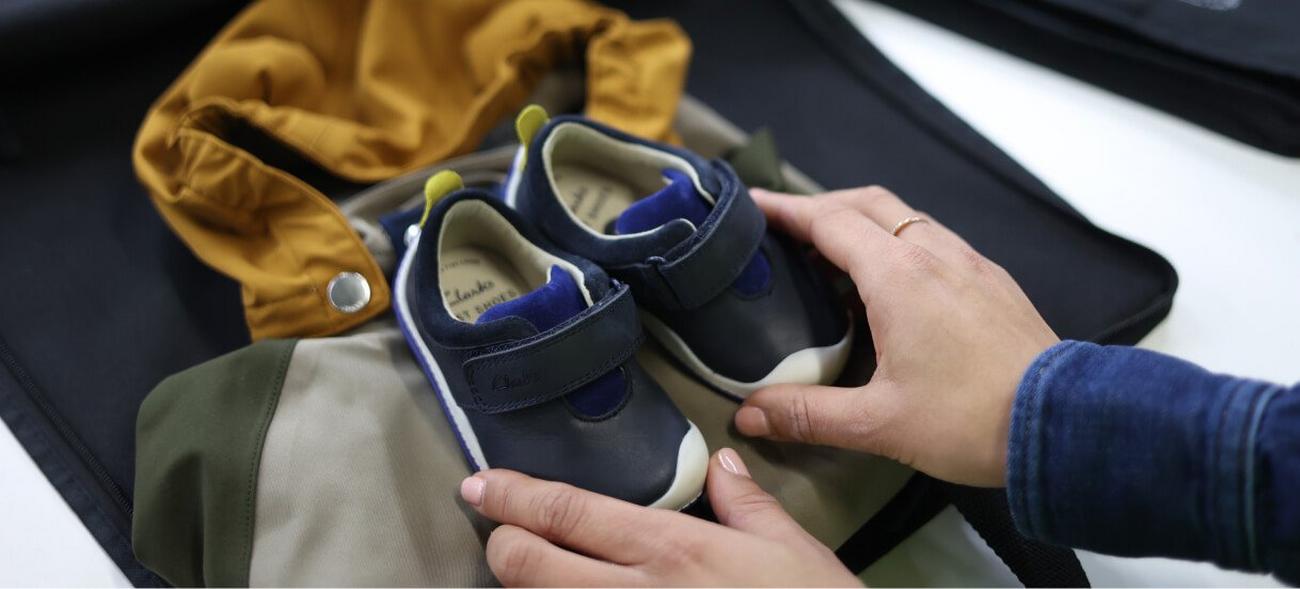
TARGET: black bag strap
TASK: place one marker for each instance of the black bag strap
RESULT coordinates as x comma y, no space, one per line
1036,564
10,146
920,499
546,366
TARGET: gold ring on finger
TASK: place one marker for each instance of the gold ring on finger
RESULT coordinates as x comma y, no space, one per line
901,225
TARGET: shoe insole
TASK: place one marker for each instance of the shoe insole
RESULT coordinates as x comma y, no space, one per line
596,198
474,279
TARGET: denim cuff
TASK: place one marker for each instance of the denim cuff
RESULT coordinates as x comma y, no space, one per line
1026,445
1134,453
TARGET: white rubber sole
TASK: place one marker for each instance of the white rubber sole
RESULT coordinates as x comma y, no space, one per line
692,454
807,366
692,468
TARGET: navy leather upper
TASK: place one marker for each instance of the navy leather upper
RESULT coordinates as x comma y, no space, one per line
685,276
696,270
514,382
742,336
558,361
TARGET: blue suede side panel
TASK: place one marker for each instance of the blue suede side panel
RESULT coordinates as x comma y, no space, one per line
756,276
548,306
680,200
599,397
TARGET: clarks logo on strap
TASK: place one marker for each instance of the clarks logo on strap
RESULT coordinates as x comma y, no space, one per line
505,382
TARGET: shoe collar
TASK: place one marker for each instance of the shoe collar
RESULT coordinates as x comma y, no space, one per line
713,179
430,308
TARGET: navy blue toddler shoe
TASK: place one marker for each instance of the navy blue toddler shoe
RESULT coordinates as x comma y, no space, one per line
532,353
737,306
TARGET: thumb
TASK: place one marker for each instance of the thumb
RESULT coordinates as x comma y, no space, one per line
741,504
814,414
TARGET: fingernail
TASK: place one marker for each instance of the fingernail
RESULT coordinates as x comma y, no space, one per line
471,490
757,191
732,463
751,421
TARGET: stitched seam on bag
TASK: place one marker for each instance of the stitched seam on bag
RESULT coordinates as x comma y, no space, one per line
34,391
250,494
1168,35
136,571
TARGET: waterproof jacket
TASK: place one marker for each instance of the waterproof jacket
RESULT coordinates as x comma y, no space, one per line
295,102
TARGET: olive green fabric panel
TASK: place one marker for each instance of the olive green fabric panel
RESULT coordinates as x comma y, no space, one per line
199,441
758,163
754,156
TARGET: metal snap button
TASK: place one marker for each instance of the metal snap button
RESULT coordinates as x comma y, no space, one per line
348,292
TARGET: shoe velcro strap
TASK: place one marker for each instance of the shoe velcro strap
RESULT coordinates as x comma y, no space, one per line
695,271
549,365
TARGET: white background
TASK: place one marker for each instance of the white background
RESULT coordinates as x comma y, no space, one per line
1225,214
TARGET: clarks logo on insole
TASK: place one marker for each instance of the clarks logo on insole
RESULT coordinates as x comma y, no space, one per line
458,263
590,211
503,382
457,298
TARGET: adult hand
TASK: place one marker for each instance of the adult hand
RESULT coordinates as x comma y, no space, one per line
554,534
953,335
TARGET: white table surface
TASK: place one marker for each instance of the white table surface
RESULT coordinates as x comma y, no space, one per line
1225,214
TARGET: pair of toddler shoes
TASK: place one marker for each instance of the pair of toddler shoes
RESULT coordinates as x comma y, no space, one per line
526,312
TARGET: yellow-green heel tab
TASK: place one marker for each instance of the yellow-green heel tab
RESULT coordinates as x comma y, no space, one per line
529,121
438,186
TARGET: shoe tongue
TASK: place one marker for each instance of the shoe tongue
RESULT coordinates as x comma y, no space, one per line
550,305
678,200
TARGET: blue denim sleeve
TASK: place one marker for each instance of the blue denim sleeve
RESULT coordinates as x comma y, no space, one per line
1130,452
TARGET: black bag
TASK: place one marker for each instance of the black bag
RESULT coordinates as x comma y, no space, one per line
105,302
1230,65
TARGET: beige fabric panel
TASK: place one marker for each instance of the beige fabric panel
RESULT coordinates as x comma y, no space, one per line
360,471
830,492
359,475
